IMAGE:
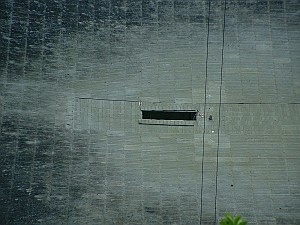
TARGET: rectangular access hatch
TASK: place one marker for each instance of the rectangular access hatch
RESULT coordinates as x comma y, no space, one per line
169,114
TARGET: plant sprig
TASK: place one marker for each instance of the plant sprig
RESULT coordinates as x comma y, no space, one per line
229,220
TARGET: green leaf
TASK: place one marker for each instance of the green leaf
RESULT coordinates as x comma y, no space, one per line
236,219
243,222
225,222
229,220
229,217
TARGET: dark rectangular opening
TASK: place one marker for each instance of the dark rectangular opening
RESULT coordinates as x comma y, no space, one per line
168,115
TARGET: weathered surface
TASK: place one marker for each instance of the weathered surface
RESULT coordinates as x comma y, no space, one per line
74,76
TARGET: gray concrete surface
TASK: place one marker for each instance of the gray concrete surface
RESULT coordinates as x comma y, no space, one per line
75,75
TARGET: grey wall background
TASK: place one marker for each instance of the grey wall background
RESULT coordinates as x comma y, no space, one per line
74,76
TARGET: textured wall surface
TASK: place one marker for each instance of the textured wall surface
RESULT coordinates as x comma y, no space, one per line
75,75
